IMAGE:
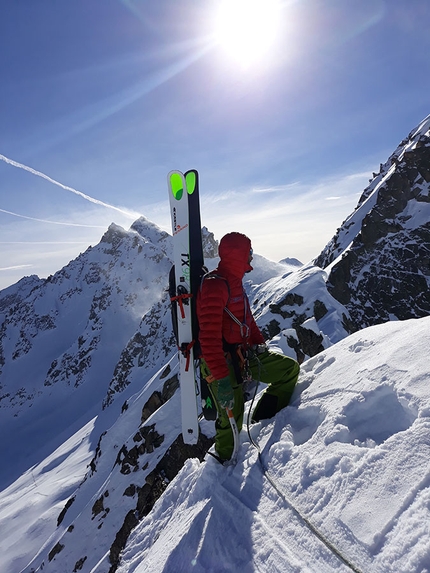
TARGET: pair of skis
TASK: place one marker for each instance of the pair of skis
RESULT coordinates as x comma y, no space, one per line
188,260
189,263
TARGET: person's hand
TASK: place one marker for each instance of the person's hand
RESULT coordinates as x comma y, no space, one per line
225,393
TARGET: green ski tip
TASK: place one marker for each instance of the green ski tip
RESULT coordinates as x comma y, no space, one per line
190,179
176,186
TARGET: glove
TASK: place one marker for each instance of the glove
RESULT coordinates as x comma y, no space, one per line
225,393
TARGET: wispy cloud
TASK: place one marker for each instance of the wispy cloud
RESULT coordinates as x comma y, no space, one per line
296,221
51,222
43,242
276,188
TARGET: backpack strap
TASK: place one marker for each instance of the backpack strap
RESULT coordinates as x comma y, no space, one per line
244,328
213,275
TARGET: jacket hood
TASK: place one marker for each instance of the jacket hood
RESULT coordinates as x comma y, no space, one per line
234,251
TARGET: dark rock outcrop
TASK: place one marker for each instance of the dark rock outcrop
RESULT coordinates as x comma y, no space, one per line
155,484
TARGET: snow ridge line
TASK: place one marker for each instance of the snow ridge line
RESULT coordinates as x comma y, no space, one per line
312,528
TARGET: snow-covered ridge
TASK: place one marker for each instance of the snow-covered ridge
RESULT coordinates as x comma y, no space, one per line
350,452
350,228
378,262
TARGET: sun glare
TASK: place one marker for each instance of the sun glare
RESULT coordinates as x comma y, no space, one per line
247,29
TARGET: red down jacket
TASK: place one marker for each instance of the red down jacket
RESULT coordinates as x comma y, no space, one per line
215,324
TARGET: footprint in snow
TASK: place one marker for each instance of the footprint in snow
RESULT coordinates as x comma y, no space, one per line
304,423
371,418
360,345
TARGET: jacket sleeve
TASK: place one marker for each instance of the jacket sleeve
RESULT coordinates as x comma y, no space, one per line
213,297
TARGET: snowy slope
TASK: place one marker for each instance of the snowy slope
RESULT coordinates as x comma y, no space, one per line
29,507
98,507
265,269
61,340
351,453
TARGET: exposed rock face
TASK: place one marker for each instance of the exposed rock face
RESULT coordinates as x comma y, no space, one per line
380,257
140,351
298,314
210,245
154,486
130,476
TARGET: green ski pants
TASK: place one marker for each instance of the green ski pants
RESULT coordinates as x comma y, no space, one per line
279,372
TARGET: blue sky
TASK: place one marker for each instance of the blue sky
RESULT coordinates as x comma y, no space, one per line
106,97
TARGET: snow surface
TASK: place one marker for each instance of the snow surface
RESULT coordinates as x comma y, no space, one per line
351,453
33,501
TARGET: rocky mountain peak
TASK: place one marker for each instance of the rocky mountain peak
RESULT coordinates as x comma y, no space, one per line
148,230
378,262
210,244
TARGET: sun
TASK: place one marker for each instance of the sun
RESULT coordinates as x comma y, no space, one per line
247,29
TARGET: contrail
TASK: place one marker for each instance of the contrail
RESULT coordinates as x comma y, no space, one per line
15,268
52,222
67,188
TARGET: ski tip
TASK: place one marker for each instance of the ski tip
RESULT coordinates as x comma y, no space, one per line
191,180
176,183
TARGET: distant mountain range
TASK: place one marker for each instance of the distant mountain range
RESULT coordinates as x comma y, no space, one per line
90,350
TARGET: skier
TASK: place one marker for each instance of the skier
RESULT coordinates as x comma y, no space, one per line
233,348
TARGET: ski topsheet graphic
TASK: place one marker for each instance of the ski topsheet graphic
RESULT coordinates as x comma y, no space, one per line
183,230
